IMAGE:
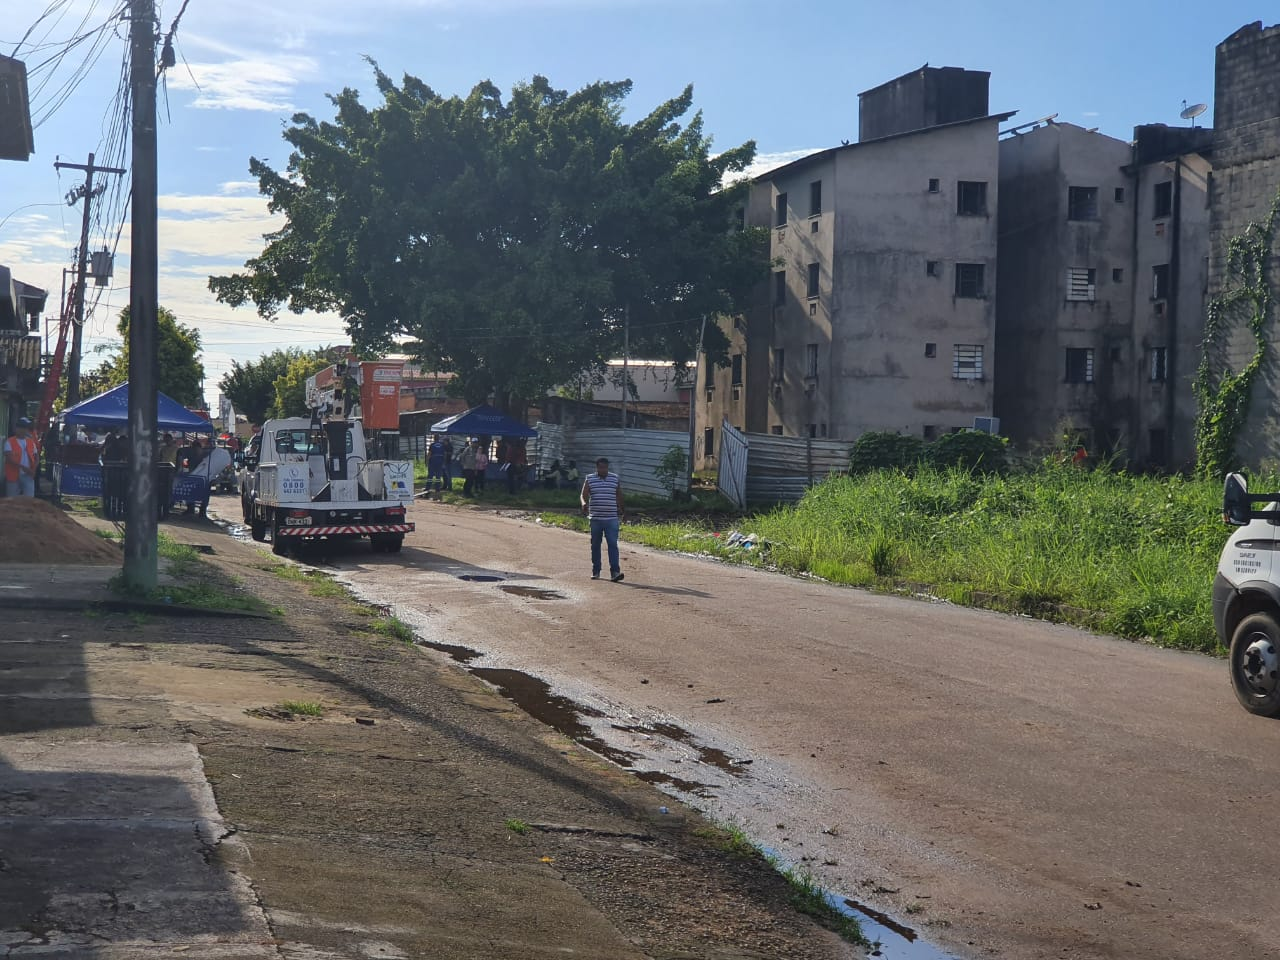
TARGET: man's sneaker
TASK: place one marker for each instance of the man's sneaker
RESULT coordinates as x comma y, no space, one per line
596,575
617,577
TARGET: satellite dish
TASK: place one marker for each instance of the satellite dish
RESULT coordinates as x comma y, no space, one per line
1193,111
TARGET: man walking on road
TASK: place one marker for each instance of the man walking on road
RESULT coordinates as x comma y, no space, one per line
601,499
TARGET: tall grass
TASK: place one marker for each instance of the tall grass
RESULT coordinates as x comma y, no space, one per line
1137,552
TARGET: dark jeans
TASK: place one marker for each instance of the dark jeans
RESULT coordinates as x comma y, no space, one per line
608,529
468,482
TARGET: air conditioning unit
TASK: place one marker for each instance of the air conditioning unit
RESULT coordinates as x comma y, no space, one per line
986,424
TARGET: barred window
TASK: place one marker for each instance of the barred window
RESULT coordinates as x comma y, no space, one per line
966,362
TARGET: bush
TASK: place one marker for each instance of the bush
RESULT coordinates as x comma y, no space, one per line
885,451
970,450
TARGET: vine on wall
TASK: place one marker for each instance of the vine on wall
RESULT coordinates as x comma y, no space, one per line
1222,396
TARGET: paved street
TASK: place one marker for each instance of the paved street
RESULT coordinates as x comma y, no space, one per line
1008,787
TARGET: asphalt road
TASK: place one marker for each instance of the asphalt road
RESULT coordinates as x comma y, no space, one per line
1007,787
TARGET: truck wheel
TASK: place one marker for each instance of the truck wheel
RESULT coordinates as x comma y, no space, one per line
1255,664
278,545
246,509
257,528
394,543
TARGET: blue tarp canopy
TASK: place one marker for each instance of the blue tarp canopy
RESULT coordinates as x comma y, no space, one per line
111,410
483,421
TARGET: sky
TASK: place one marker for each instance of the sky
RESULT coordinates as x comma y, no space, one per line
785,75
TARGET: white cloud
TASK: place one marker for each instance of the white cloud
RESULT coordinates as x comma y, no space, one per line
262,82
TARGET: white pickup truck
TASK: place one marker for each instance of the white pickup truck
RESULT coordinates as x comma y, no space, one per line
305,479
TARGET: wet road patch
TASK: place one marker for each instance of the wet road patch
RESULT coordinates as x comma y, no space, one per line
531,593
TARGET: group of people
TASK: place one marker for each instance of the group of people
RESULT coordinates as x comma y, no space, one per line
473,461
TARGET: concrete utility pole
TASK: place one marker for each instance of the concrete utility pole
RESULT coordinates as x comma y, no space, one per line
140,564
87,193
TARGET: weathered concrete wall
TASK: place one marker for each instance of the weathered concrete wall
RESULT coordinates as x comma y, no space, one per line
1164,411
1036,322
1246,178
923,98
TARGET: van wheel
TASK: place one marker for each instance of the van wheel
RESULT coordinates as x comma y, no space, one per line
1255,664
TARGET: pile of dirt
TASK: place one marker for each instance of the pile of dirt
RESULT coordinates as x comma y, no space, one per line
34,531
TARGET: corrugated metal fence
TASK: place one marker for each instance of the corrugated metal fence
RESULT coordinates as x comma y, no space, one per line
633,455
781,469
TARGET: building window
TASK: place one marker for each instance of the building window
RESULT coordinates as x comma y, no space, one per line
930,350
1159,364
934,185
709,442
813,431
822,429
971,198
780,288
1160,282
969,280
711,395
1079,364
1081,283
815,198
813,227
931,431
966,362
1163,199
813,309
932,268
737,370
812,288
1155,444
776,429
779,363
1117,275
1119,194
780,211
811,360
1082,203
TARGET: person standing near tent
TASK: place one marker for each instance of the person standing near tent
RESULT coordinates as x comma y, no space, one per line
482,463
467,461
21,459
517,462
601,499
435,463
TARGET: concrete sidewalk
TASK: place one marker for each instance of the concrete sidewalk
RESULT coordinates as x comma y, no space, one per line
159,799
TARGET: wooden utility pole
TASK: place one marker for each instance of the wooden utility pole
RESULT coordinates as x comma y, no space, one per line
140,563
87,193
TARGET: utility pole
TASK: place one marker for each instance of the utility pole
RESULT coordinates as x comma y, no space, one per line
626,356
140,563
86,192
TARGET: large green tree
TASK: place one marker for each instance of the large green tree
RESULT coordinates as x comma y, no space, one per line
251,386
178,349
290,388
509,241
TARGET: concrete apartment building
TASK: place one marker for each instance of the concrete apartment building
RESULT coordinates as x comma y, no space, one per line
880,314
1102,278
1246,177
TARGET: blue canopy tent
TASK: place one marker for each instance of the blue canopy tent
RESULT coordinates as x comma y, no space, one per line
483,421
111,410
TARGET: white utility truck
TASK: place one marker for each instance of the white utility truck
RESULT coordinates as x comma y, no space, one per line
305,479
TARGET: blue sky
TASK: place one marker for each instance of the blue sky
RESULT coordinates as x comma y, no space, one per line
784,74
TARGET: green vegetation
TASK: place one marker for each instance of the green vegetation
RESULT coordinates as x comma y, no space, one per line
393,629
729,838
517,826
809,898
199,585
1222,395
301,708
180,369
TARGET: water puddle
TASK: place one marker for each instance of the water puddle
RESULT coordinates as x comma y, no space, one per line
686,786
532,593
480,578
715,757
455,651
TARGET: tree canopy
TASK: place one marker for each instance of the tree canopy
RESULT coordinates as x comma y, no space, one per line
251,386
178,350
290,388
507,241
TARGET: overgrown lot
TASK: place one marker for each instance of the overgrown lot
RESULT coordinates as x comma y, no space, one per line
1128,555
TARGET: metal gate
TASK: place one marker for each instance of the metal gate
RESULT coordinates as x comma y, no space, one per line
732,475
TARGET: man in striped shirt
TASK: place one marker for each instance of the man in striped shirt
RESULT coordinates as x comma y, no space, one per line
601,498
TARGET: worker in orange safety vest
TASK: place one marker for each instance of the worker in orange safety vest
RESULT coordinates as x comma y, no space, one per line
21,460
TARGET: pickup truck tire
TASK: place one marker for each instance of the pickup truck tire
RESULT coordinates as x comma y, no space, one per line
257,529
387,542
1255,664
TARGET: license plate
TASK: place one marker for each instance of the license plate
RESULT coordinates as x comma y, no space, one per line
297,521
